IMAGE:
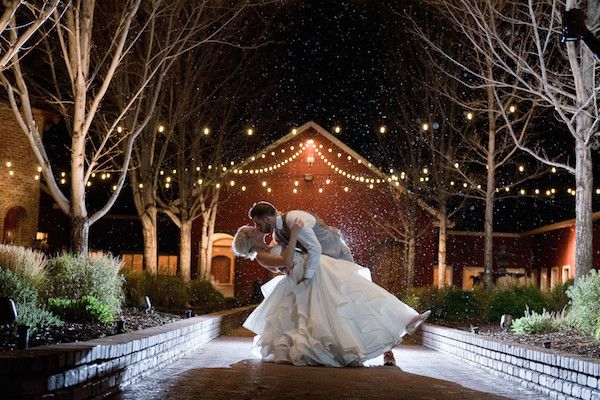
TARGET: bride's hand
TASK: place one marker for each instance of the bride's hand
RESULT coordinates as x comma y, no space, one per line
297,226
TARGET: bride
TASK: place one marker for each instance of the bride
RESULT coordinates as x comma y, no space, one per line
336,318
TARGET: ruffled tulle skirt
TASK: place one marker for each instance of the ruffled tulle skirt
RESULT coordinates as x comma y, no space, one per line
338,318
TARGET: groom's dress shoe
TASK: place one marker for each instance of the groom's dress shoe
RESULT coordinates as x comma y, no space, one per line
388,359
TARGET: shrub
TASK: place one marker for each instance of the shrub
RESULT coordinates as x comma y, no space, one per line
86,309
533,322
167,291
24,294
26,263
34,317
514,300
585,303
458,305
557,299
73,277
203,292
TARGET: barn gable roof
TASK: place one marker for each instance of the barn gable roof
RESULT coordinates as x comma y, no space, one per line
327,135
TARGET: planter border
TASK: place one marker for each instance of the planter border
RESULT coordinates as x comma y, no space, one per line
100,367
556,374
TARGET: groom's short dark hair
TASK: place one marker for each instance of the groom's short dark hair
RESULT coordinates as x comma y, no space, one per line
262,209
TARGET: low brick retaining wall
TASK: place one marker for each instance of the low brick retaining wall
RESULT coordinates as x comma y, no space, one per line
99,367
558,375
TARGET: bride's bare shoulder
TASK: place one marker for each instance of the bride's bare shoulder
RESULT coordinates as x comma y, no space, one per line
269,259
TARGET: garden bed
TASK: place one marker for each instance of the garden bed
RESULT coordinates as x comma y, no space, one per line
567,341
79,332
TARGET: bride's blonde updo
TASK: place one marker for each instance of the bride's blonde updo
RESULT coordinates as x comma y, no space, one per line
242,243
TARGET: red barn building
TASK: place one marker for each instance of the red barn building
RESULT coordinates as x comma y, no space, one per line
312,170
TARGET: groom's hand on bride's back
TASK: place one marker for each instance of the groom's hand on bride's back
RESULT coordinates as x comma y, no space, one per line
297,226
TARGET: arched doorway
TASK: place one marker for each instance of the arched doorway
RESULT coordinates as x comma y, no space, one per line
13,225
222,266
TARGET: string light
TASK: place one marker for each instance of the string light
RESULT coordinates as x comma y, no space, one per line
161,128
250,131
206,131
119,129
521,168
469,115
9,164
512,109
382,129
337,129
39,169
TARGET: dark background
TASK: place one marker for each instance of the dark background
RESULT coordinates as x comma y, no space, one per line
331,62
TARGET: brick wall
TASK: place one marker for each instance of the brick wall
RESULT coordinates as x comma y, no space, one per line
97,368
19,189
555,374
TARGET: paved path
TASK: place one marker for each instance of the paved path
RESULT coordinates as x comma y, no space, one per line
225,369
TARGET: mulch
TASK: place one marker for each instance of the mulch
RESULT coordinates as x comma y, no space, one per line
572,342
79,332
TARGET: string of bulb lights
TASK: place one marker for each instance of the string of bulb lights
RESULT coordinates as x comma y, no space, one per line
331,158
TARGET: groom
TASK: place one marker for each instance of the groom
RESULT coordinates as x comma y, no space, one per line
315,238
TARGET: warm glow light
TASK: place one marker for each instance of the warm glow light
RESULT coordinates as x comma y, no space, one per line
451,183
232,183
206,131
88,184
507,189
346,189
63,174
243,188
269,190
200,181
382,129
521,168
217,185
250,131
141,185
537,191
114,187
522,191
597,191
469,115
337,129
328,181
167,185
455,165
161,128
294,131
320,190
11,172
264,184
425,126
553,170
295,183
39,169
295,190
9,164
119,129
37,177
512,109
553,190
425,171
465,184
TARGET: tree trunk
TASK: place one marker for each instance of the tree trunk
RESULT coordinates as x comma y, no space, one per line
80,231
410,270
583,210
442,247
490,193
209,234
204,241
185,250
150,232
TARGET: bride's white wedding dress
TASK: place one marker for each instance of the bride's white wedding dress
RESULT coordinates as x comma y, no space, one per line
337,318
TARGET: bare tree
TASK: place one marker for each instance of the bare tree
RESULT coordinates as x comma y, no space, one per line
84,54
179,28
207,107
518,43
15,35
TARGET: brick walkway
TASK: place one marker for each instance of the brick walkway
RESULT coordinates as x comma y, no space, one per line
225,369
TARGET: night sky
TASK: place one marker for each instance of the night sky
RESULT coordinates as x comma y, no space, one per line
331,62
334,66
